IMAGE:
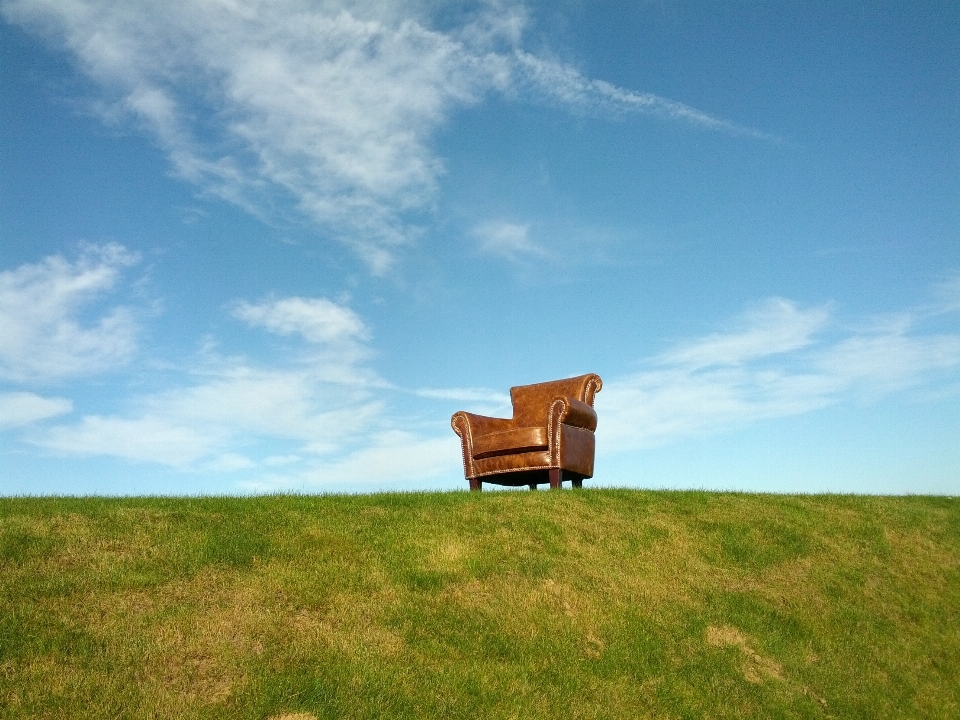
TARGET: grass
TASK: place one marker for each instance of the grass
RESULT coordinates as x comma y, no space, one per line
587,604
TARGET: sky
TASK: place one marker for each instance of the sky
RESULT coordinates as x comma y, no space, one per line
272,246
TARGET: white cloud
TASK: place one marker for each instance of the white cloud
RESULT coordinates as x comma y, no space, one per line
228,413
338,336
232,405
43,338
330,104
776,364
775,327
890,360
507,239
317,319
224,404
23,408
656,408
391,458
268,402
167,441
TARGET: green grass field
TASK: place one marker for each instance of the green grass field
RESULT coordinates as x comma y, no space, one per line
573,604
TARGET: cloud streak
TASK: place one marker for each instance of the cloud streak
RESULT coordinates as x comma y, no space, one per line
225,406
226,412
43,338
778,362
507,240
775,327
23,408
318,320
331,106
566,85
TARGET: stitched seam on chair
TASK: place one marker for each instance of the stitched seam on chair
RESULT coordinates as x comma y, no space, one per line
523,469
467,461
467,454
594,385
455,422
554,435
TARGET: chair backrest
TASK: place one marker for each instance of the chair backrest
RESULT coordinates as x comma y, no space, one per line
531,403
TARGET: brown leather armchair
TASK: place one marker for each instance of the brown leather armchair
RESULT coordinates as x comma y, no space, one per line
550,437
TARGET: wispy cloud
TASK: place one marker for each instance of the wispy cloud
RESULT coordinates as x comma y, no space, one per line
779,361
330,105
565,84
327,413
222,404
338,338
23,408
222,411
774,327
888,359
40,304
508,240
392,458
174,442
318,320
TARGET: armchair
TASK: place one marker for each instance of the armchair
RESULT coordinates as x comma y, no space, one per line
549,439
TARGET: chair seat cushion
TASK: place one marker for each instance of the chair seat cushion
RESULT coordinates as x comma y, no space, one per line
508,442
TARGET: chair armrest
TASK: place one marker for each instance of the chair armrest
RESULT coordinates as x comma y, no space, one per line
467,426
574,412
473,425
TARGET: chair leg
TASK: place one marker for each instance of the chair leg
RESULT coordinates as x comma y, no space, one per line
476,485
556,477
577,482
533,486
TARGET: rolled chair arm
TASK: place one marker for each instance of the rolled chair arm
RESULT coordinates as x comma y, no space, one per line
467,426
570,411
475,425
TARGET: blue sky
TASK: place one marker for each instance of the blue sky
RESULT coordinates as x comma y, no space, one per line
265,246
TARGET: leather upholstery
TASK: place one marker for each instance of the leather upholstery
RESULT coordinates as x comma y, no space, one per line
552,429
509,442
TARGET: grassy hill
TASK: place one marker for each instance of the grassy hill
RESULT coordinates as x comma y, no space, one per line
573,604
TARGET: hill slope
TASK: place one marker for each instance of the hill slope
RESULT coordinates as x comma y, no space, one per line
582,604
